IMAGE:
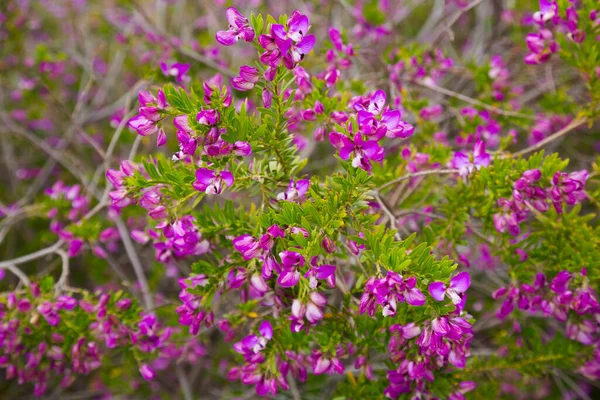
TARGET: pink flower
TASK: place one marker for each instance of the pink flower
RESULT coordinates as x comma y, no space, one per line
177,70
248,77
290,262
458,285
465,165
212,182
324,272
362,152
295,190
147,372
239,28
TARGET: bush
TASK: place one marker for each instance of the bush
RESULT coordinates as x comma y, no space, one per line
357,200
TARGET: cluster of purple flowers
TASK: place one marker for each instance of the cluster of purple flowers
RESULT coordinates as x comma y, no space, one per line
542,43
529,196
174,240
30,358
442,341
567,298
483,127
150,113
191,312
375,121
120,197
255,371
388,292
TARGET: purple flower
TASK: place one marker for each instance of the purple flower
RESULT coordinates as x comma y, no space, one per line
248,77
177,70
548,10
408,331
326,364
242,149
239,28
374,105
253,344
289,46
208,117
324,272
568,188
142,125
295,190
560,282
463,163
290,262
388,292
458,285
212,182
362,152
248,246
147,372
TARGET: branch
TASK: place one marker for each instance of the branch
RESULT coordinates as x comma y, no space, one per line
448,26
62,280
472,101
15,270
577,122
32,256
415,175
388,213
184,383
181,49
135,262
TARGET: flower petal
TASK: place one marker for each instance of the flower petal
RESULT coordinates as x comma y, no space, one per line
437,290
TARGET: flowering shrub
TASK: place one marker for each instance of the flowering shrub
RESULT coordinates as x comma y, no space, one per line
353,200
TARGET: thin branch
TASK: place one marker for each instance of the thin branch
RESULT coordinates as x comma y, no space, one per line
472,101
417,174
20,274
184,383
388,213
62,280
181,49
453,19
135,262
576,123
32,256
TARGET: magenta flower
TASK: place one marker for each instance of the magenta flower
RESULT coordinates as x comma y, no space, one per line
253,344
248,246
408,331
376,120
142,125
568,188
248,77
290,262
295,190
324,272
388,292
208,117
326,364
548,10
268,239
374,105
541,45
212,182
466,165
458,285
176,70
362,152
147,372
239,28
289,45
